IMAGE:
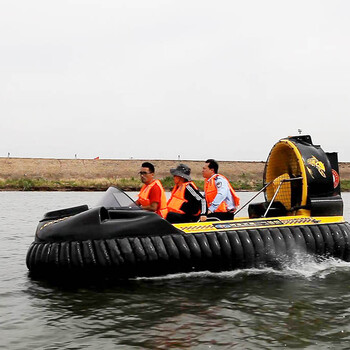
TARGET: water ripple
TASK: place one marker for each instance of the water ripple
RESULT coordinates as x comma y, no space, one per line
304,305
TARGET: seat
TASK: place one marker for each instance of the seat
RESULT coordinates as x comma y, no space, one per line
257,210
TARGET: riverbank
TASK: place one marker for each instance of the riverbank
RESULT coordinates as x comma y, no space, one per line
43,174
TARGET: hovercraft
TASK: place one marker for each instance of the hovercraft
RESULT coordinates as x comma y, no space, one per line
302,214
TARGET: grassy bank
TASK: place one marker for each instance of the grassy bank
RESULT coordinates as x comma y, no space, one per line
126,184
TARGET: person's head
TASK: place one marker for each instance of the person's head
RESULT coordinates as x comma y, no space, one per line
147,172
210,168
182,173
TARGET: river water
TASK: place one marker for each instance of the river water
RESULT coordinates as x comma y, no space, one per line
304,306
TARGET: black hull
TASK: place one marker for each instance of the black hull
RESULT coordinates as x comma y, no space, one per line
156,255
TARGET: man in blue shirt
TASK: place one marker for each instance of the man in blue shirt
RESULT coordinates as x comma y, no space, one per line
221,198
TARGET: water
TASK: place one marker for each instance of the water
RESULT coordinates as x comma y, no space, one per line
306,305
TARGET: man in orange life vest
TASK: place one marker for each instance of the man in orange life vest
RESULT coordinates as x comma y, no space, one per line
186,204
152,196
221,198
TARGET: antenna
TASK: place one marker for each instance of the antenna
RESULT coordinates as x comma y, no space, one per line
299,131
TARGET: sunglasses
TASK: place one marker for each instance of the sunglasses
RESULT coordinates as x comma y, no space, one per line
144,173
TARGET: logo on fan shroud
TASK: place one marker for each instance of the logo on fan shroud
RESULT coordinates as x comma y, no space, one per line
313,161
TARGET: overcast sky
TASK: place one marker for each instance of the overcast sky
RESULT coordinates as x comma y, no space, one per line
154,79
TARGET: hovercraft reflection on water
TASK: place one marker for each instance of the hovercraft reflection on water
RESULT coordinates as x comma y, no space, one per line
302,212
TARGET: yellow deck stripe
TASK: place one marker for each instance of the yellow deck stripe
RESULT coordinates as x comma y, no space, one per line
246,223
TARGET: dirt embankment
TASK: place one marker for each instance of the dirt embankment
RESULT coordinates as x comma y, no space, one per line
63,169
80,169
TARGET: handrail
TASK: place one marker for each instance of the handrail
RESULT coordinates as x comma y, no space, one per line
211,218
253,198
278,188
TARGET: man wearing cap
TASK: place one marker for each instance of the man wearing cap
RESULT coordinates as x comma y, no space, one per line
152,196
186,204
221,198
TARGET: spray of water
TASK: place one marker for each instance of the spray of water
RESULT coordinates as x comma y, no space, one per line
301,265
310,266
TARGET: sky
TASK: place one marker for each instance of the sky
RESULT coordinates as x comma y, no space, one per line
162,79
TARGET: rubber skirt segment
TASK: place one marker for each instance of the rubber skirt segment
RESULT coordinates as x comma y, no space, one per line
175,253
345,229
269,247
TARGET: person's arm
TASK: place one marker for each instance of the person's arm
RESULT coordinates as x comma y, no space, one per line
152,207
197,202
222,192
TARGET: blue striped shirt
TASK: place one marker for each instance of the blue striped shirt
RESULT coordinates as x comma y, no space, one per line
223,194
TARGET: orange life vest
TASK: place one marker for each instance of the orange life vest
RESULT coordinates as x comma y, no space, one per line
177,197
144,198
211,192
